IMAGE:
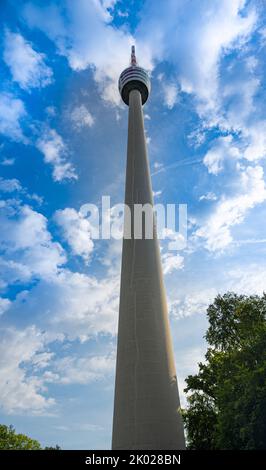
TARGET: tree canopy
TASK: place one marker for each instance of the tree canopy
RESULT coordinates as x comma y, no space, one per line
227,397
10,440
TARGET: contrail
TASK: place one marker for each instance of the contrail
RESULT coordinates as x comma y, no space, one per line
185,161
249,240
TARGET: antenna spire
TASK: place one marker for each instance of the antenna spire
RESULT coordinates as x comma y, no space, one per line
133,56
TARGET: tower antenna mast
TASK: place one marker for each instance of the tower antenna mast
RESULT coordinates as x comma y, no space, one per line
133,56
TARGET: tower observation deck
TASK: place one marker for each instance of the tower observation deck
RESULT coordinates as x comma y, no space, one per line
146,404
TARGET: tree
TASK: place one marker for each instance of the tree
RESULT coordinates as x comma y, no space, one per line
227,398
9,440
53,448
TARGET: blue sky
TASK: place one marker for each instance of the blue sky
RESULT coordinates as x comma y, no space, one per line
63,132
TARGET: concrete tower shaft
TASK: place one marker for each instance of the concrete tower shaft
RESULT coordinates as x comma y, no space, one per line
146,403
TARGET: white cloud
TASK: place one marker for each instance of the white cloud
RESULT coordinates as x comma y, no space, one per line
148,140
7,161
171,262
176,240
190,41
85,306
221,149
26,65
239,111
237,94
111,257
13,185
4,305
28,230
196,137
81,370
51,111
193,304
13,271
26,244
170,93
195,39
213,161
208,197
157,165
255,136
81,117
109,3
9,185
103,47
232,210
76,230
12,112
51,144
81,305
20,392
157,193
73,304
61,302
248,280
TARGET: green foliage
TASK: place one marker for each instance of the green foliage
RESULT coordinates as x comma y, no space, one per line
227,398
9,440
53,448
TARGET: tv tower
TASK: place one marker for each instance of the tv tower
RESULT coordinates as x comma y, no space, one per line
146,405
